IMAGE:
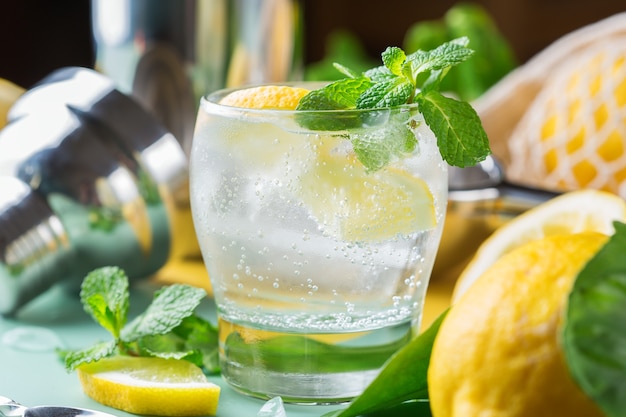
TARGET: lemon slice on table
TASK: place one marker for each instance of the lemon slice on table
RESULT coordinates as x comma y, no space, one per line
355,205
150,386
572,212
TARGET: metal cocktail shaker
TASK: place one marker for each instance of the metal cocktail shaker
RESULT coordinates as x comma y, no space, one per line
168,53
88,178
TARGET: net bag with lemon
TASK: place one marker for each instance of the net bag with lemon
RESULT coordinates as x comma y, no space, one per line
559,121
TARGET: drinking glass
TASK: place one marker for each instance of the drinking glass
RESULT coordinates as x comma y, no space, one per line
318,263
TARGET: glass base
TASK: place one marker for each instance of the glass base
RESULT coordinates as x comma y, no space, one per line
305,368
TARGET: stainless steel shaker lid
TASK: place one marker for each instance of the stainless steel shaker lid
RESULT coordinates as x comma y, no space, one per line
32,240
90,179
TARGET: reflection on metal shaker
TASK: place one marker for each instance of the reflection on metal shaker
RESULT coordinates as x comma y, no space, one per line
89,178
168,53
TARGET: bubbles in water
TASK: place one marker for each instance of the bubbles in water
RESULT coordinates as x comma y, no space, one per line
396,301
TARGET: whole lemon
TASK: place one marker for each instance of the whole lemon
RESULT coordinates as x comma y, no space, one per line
497,352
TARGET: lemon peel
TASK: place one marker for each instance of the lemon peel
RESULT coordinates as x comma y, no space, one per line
279,97
150,386
498,352
572,212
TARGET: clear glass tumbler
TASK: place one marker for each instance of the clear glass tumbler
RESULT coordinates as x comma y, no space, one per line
318,265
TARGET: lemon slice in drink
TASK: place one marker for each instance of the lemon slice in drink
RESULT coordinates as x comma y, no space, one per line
573,212
355,205
281,97
347,201
150,386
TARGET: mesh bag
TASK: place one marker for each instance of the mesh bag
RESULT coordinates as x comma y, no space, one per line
559,121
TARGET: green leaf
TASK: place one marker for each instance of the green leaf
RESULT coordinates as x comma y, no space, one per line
284,354
167,310
403,379
379,74
73,359
402,79
346,71
104,295
594,334
376,148
460,136
445,55
390,93
393,59
337,95
201,336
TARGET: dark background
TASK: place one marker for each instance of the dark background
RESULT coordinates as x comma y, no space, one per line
38,36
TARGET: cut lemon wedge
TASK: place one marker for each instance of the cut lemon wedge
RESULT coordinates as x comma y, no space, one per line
266,97
150,386
355,205
573,212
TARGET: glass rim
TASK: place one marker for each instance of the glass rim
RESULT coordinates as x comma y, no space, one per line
210,102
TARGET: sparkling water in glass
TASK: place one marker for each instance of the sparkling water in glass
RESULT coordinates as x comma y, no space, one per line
318,265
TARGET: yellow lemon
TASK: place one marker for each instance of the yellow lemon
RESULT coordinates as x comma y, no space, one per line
9,92
357,205
573,135
150,386
280,97
497,352
572,212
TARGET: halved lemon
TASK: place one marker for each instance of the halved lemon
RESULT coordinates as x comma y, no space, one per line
150,386
572,212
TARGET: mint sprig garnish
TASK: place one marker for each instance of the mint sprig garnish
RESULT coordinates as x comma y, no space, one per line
405,79
168,328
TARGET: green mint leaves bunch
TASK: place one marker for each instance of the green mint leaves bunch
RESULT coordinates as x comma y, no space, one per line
168,328
406,79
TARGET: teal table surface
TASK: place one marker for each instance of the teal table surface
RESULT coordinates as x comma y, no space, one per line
32,374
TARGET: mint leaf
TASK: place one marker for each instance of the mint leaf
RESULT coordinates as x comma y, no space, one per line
376,148
168,309
73,359
337,95
345,71
168,328
201,336
403,79
445,55
194,340
594,334
460,137
104,295
393,59
390,93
